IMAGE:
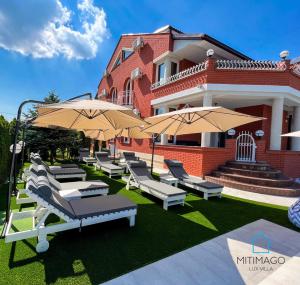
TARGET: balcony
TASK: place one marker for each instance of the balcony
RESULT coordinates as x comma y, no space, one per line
248,72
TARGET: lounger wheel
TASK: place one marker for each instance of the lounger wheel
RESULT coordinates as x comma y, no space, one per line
42,246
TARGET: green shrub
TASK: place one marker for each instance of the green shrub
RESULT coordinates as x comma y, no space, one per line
5,141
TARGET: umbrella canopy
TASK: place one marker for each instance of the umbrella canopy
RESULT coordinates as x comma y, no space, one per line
87,114
198,120
293,134
133,133
101,135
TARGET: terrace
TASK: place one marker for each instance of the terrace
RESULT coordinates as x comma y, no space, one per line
108,250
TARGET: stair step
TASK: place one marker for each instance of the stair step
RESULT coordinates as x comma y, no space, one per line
263,166
278,183
293,191
253,173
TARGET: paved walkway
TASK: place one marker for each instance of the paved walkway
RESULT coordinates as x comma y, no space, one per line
270,199
221,260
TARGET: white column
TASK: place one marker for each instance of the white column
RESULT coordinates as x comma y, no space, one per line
276,124
164,138
205,138
296,127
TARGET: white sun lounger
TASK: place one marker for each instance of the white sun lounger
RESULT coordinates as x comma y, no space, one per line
73,213
68,190
60,173
208,188
105,164
140,177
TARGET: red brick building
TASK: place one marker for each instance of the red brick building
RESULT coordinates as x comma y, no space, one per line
162,71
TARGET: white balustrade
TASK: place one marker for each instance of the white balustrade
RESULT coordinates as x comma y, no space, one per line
296,68
268,65
183,74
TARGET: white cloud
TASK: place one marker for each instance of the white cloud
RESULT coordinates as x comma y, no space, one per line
44,29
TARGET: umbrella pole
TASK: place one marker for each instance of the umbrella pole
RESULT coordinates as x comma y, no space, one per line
115,149
12,175
152,158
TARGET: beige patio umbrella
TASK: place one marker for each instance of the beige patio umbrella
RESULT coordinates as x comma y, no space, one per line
104,135
101,135
292,134
87,114
196,120
133,133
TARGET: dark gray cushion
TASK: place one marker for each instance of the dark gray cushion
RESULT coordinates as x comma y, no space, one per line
100,205
172,162
69,165
102,157
163,188
139,170
67,171
53,198
201,183
93,187
130,156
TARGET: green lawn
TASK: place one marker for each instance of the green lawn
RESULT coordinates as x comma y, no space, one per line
105,251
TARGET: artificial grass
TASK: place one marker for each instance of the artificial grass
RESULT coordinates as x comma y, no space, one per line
102,252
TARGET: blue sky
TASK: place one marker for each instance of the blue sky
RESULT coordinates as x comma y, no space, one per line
66,44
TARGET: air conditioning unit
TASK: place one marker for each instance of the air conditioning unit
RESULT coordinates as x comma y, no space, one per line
136,73
105,73
103,93
138,43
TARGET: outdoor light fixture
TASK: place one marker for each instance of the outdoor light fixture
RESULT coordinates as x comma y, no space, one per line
210,52
284,54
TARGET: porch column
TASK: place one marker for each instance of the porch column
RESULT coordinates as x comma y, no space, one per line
205,137
276,124
296,127
164,138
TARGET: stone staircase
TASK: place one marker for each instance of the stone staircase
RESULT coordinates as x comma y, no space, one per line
257,177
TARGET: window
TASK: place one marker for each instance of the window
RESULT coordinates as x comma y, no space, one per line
161,72
127,53
126,140
114,96
117,62
173,68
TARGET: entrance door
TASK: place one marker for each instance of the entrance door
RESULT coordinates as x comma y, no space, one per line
245,147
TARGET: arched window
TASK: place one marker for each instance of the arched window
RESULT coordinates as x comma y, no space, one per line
114,95
127,99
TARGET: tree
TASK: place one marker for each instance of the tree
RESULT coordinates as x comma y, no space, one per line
48,141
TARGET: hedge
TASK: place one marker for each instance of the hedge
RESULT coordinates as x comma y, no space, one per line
5,141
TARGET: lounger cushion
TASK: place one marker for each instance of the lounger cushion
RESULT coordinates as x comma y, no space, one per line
68,165
110,166
140,170
163,188
53,199
202,183
130,156
95,206
67,171
84,185
102,157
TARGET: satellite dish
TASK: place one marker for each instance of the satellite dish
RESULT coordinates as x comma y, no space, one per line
18,148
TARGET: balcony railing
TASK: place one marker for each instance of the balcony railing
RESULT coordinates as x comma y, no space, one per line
267,65
296,68
124,98
183,74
